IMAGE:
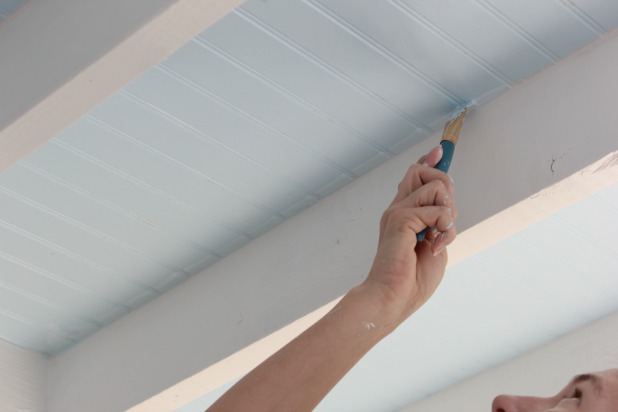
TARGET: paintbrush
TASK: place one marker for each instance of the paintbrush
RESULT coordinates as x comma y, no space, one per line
448,143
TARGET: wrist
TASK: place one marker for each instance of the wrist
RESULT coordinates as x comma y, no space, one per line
382,313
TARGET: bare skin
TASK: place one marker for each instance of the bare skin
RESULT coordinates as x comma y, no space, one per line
590,392
403,277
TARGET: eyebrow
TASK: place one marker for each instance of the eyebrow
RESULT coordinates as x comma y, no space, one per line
591,378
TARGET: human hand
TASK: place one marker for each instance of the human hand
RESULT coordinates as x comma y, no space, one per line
407,272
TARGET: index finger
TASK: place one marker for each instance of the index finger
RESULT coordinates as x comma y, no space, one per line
418,175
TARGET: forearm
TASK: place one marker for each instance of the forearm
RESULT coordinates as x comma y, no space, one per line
404,275
298,376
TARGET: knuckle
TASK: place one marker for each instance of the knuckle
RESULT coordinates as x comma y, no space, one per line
415,168
399,219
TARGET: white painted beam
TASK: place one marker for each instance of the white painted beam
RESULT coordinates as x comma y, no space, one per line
541,372
23,379
512,150
61,58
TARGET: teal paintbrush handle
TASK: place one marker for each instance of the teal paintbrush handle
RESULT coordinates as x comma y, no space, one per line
448,148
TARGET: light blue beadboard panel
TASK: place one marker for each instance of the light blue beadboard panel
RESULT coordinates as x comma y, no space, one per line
364,66
47,302
19,331
595,221
609,199
552,280
470,305
546,23
157,170
90,244
480,36
140,202
597,13
599,282
421,51
130,234
275,112
80,283
296,73
238,128
190,149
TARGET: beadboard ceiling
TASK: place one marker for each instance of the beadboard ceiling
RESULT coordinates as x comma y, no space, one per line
267,112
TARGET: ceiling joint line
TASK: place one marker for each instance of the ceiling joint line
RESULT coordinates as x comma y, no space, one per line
190,208
300,101
319,62
80,258
45,302
519,31
197,133
61,281
112,206
383,51
230,106
90,230
458,46
582,16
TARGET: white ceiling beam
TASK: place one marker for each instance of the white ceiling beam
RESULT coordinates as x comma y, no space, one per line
535,149
61,58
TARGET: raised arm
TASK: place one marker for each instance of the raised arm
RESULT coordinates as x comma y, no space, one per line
403,276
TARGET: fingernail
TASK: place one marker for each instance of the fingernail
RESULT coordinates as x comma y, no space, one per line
438,241
445,199
452,181
425,164
433,229
450,225
438,238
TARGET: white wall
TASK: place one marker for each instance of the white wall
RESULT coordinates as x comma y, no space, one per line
23,376
541,372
